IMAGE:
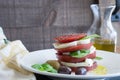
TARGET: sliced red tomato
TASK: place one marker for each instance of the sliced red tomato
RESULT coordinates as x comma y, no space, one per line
67,58
69,38
74,69
75,48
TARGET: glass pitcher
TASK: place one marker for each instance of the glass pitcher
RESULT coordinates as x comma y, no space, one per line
95,27
108,38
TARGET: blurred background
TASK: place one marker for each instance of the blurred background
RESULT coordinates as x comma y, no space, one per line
37,22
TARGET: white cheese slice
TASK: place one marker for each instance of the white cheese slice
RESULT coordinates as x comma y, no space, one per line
87,63
85,41
74,43
64,45
92,49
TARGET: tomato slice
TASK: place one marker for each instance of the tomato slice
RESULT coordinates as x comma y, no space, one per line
74,69
69,38
75,48
67,58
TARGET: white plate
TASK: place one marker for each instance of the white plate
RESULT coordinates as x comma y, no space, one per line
110,60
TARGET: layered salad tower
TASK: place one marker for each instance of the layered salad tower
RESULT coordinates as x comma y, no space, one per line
76,51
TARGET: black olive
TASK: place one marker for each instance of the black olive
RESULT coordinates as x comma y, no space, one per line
64,70
81,71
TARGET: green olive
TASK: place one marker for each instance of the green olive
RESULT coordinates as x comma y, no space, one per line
54,63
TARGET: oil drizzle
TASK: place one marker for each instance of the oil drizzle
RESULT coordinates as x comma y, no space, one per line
100,70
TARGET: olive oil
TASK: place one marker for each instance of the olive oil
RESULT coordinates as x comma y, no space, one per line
104,44
100,70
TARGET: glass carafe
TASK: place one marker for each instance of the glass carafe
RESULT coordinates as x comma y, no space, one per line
95,27
108,38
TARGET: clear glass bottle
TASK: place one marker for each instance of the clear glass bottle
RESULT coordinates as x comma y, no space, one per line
95,27
108,38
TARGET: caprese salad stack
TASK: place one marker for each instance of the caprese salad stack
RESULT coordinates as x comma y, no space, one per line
76,51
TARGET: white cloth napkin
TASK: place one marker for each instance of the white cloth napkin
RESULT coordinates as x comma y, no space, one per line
10,55
7,73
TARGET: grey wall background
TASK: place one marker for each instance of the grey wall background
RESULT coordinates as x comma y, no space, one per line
37,22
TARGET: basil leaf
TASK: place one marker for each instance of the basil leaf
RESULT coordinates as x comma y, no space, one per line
44,67
80,53
38,67
53,71
90,36
98,58
47,67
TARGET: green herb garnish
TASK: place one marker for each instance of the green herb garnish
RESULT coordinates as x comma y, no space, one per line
80,53
44,67
90,36
38,67
98,58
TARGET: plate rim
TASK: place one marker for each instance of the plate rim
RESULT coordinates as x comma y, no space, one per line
67,75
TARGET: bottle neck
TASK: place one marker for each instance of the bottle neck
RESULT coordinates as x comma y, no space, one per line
107,31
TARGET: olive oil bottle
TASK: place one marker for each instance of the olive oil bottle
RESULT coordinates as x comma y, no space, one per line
104,44
108,38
